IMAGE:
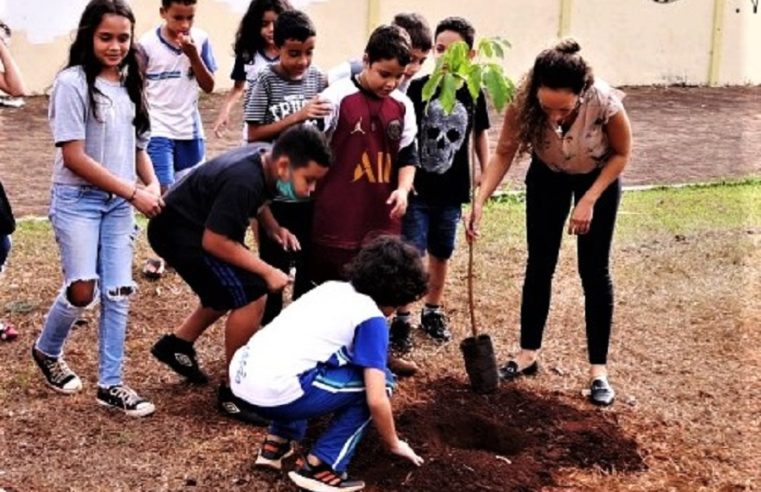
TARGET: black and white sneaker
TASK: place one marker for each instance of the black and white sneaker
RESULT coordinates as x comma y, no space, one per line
272,454
122,397
57,373
434,322
232,406
323,478
601,392
180,356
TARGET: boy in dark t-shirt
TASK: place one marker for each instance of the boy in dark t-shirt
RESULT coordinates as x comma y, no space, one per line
442,183
286,94
201,234
372,136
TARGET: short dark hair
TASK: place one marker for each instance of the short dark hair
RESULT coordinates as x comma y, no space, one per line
302,144
293,24
389,43
168,3
417,27
459,25
389,271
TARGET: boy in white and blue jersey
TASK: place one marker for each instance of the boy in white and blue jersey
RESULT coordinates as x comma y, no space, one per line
326,353
178,60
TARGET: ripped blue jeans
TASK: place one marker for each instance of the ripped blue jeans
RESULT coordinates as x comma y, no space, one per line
95,232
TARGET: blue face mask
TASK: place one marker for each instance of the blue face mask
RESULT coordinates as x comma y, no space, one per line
285,190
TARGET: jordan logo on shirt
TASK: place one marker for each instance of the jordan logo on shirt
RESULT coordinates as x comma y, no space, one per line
380,173
358,128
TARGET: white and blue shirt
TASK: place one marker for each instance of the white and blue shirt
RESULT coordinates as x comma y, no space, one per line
171,89
332,325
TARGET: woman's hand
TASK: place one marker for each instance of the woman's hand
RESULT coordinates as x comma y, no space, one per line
404,450
472,221
581,218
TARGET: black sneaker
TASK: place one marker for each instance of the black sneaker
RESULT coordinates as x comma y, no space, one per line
323,478
232,406
57,373
122,397
401,334
180,356
272,454
601,392
435,323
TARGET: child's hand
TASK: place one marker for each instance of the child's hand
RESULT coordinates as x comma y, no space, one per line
220,125
187,45
405,451
276,280
147,203
398,199
286,239
314,109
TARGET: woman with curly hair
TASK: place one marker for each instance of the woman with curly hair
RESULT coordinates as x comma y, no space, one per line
579,138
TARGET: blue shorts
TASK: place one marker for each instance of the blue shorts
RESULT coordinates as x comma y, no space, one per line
170,157
431,228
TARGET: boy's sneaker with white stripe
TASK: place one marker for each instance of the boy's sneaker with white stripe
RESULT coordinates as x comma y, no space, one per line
57,373
122,397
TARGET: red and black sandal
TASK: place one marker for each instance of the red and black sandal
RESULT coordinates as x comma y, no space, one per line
272,454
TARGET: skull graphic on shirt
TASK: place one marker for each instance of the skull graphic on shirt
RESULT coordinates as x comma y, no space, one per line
441,136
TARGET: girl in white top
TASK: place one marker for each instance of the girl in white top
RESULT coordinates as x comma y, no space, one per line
580,139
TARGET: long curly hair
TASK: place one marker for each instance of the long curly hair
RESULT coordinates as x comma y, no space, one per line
82,53
248,39
559,67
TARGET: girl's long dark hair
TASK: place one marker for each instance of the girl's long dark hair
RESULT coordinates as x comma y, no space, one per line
82,53
559,67
248,39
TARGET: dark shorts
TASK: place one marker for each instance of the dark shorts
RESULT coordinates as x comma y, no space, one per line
431,228
219,285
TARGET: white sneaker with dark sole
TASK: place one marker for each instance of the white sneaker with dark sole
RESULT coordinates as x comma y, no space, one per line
123,398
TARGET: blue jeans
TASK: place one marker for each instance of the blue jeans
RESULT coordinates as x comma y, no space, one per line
95,232
173,158
431,228
5,248
328,390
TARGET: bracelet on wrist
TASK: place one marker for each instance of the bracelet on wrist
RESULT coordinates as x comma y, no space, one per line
132,197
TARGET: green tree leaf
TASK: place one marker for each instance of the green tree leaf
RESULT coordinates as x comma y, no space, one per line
447,95
496,86
474,80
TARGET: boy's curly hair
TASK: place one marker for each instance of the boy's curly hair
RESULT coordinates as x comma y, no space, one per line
389,271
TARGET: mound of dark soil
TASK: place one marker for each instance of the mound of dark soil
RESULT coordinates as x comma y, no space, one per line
511,440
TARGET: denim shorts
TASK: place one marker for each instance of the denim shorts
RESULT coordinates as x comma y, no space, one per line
171,157
431,228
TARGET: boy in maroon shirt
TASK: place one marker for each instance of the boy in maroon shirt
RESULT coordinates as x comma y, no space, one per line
372,130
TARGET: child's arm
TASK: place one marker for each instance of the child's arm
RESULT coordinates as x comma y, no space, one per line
147,175
380,410
203,74
315,108
276,232
10,80
236,254
481,144
233,96
407,161
84,166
